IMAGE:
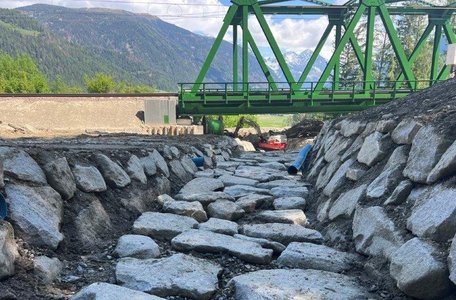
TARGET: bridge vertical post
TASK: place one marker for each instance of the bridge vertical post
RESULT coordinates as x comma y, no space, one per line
235,57
245,48
369,46
451,37
336,76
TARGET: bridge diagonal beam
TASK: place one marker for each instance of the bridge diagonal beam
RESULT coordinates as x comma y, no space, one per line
259,57
397,47
273,44
451,37
218,41
338,51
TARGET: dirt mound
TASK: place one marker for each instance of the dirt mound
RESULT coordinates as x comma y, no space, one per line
433,105
305,128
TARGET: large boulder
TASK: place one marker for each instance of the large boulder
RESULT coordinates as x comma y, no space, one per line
135,169
225,209
317,257
206,241
177,275
165,226
191,209
258,173
290,191
189,165
338,179
8,250
289,203
326,173
220,226
283,233
89,179
275,246
204,198
19,165
405,132
250,203
418,273
349,127
289,216
427,148
137,246
445,167
37,213
202,185
60,177
244,190
149,164
374,233
229,180
112,172
178,173
374,149
434,214
296,284
160,162
47,269
106,291
400,193
346,204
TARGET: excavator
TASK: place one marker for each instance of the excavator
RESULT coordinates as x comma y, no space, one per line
267,142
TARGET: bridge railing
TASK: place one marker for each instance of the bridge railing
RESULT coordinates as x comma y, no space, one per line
313,90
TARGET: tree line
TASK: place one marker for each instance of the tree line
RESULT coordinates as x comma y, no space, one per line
20,74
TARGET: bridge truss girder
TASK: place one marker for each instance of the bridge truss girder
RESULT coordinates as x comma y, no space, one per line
345,19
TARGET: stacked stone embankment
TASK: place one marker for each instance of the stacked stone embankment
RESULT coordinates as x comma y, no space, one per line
385,186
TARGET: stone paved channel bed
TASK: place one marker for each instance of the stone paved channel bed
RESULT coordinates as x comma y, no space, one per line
239,211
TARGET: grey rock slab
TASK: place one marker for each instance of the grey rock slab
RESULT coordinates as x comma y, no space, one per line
370,128
374,233
137,246
251,202
418,273
374,149
386,126
18,164
160,162
47,269
225,209
243,190
149,164
135,169
167,152
317,166
400,193
347,202
445,167
229,180
338,148
296,284
178,171
8,250
189,165
434,217
114,175
202,185
405,131
452,260
353,149
289,216
89,179
60,177
275,246
208,173
427,148
204,198
323,210
174,151
326,173
207,241
162,225
106,291
290,191
355,173
228,165
316,257
191,209
177,275
274,165
220,226
280,183
349,127
338,179
384,183
37,212
2,181
259,173
289,203
283,233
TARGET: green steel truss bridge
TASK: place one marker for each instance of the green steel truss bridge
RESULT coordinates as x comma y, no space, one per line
330,93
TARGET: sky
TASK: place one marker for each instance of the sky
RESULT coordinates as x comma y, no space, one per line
205,17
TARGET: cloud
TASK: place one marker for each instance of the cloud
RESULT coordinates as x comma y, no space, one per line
206,17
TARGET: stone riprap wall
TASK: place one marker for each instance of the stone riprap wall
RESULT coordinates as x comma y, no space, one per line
65,201
387,189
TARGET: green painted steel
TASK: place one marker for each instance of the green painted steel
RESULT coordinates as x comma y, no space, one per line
330,93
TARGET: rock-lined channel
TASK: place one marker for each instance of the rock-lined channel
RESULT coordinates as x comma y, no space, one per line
237,232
